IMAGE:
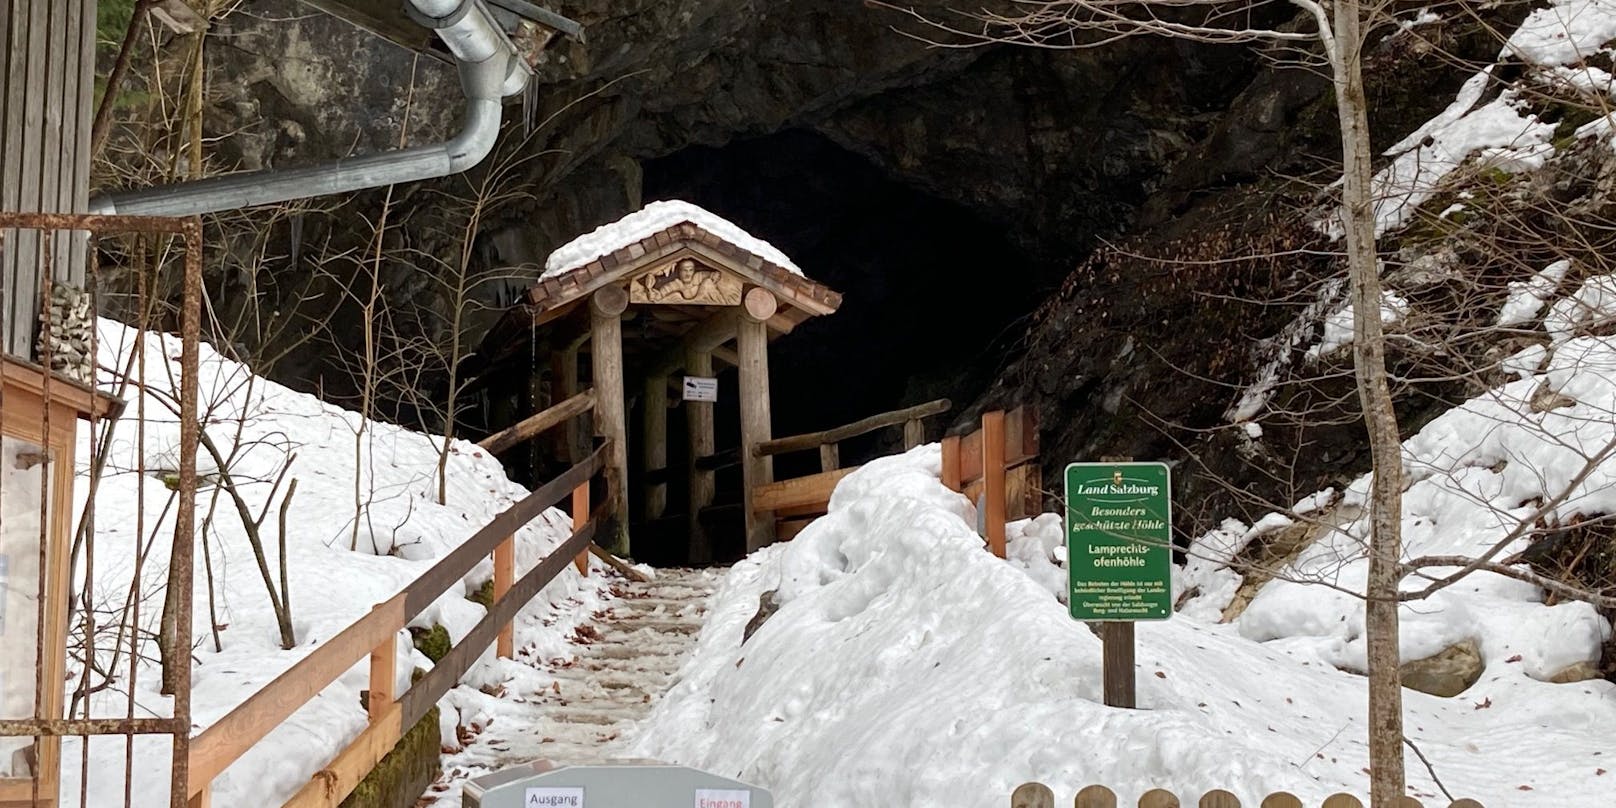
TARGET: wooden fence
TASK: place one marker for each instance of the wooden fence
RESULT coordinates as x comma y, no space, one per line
996,466
1038,795
391,714
799,501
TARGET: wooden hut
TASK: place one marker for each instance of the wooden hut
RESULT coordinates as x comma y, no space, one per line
653,300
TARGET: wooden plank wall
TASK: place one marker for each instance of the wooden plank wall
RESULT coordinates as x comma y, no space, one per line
47,62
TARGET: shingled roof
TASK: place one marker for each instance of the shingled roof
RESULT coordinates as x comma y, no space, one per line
665,231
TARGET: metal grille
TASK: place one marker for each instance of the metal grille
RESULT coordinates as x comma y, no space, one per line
94,614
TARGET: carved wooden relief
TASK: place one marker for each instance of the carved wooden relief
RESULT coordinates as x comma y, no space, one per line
686,282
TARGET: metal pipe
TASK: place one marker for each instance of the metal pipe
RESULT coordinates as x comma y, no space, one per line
489,70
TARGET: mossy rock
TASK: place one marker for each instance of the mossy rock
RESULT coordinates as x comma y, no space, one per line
434,642
405,773
484,594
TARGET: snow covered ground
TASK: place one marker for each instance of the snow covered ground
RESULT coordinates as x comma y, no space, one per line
335,574
907,667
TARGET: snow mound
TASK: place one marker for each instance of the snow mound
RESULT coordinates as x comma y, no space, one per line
336,572
907,667
651,219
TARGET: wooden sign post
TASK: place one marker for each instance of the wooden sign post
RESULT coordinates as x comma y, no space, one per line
1119,558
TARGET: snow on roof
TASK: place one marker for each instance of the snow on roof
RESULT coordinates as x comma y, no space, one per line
648,221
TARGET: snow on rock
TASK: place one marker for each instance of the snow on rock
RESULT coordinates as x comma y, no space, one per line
907,667
1497,134
1527,298
649,220
1473,474
1591,306
1339,330
336,573
1566,32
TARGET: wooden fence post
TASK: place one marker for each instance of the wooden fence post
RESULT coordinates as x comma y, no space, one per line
383,678
504,576
1218,798
951,463
580,517
1281,800
1159,798
830,457
993,479
1096,797
1032,795
1342,801
914,433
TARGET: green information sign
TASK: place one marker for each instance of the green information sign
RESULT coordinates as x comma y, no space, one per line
1119,557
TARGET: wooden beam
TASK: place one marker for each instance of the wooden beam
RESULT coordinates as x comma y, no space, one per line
800,492
704,338
830,457
332,784
752,338
611,421
951,463
383,678
654,446
811,440
699,426
228,738
533,425
914,433
504,576
993,479
580,517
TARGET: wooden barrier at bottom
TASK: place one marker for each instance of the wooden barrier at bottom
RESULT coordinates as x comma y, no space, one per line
1038,795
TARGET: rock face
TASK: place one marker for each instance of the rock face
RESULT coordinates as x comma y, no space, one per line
1446,674
1165,147
1055,149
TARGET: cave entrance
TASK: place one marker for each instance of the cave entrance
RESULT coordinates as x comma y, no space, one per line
652,304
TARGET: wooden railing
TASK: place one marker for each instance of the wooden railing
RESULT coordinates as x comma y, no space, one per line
1038,795
798,501
374,636
996,466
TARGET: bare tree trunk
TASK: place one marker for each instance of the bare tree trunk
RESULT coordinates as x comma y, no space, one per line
1369,360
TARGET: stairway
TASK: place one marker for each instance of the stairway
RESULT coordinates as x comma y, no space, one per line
626,659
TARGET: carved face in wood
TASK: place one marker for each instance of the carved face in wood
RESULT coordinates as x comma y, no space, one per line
686,282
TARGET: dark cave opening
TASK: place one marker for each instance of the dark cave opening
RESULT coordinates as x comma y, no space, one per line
933,293
933,300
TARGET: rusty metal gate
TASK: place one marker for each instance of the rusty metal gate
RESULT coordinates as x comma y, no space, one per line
81,648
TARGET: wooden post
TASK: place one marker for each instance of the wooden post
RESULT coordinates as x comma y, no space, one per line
571,441
606,357
830,457
914,433
580,517
1117,664
384,677
654,446
699,424
993,479
752,338
504,576
951,463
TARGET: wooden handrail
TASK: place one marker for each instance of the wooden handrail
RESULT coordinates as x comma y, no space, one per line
531,426
227,739
425,692
813,440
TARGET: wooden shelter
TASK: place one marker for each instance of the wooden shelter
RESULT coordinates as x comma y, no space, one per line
657,296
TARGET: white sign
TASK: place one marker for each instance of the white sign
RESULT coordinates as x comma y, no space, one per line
701,388
554,797
722,798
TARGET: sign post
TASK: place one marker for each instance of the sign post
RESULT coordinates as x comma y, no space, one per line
1119,558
